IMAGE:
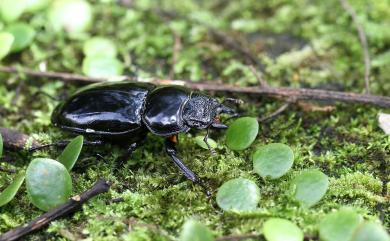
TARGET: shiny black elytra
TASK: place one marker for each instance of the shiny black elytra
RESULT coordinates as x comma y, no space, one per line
124,112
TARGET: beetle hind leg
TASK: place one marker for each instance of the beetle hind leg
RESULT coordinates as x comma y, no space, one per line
172,152
64,143
120,162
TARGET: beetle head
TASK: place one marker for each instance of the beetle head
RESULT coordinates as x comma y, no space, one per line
203,112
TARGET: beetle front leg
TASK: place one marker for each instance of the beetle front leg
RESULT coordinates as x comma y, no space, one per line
172,152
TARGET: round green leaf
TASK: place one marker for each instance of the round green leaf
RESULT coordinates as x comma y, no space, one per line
72,16
273,160
238,195
102,67
9,193
370,231
99,46
71,152
48,183
195,231
339,226
34,6
6,40
277,229
201,143
23,35
309,187
241,133
11,10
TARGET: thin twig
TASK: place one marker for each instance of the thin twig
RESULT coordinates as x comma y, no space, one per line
231,43
275,92
176,45
175,52
263,83
277,112
363,41
69,207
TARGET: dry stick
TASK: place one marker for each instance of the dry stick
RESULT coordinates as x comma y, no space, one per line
276,92
363,41
176,45
15,140
263,83
279,111
69,207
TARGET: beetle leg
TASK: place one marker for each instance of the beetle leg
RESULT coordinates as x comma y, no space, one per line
123,158
172,152
65,143
205,139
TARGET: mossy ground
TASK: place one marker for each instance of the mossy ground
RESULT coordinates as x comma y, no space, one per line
301,43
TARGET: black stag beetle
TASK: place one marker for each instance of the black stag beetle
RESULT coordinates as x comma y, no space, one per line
123,112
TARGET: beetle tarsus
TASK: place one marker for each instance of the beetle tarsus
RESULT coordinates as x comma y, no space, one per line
205,139
171,151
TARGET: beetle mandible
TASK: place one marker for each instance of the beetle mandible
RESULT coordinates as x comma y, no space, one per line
124,112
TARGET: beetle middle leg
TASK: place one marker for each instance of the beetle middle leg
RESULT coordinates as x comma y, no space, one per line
172,152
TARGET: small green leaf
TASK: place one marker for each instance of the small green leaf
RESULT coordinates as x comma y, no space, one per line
273,160
339,225
277,229
23,35
238,195
71,152
11,10
102,67
201,143
34,6
72,16
309,187
370,231
9,193
6,40
195,231
1,145
241,133
48,183
99,46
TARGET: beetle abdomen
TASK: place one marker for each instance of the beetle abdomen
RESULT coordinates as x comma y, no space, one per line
108,109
